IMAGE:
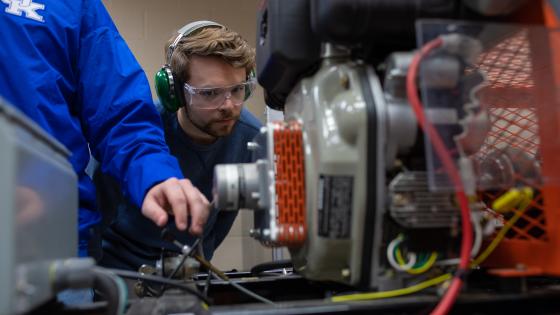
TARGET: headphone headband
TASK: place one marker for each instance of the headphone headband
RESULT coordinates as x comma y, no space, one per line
186,31
168,87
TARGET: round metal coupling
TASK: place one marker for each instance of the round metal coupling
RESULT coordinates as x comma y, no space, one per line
236,186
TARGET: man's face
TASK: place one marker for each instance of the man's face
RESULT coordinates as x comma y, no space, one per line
201,123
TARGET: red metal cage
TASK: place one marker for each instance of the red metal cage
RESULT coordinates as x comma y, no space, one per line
521,99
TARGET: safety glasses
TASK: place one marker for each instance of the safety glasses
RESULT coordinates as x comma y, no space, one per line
215,97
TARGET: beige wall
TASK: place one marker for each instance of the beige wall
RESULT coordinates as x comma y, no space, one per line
146,25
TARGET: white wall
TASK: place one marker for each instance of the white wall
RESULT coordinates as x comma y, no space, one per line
146,25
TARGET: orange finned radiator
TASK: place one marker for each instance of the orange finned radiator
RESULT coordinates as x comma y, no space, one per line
290,183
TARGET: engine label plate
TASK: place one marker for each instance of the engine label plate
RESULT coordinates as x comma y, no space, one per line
335,206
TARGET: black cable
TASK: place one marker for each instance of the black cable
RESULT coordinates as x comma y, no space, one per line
207,283
107,285
185,256
267,266
156,279
246,291
218,274
181,263
212,270
162,257
209,272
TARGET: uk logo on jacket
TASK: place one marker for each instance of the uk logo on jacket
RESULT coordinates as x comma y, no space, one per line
19,7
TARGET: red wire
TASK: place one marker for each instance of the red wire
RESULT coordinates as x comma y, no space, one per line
451,294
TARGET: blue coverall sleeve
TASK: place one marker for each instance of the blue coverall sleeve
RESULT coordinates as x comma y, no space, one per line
121,123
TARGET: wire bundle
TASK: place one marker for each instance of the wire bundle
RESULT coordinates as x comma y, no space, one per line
414,265
522,199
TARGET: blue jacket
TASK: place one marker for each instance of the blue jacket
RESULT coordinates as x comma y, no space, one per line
64,64
131,240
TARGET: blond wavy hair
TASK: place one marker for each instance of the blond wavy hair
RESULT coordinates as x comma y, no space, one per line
211,41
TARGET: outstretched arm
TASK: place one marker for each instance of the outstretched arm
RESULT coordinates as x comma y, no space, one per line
123,128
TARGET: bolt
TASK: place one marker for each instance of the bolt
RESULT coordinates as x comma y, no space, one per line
185,249
139,289
147,270
400,200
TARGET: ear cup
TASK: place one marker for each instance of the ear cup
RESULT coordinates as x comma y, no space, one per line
250,78
250,88
166,90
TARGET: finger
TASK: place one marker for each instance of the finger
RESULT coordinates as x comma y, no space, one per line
198,207
176,198
152,209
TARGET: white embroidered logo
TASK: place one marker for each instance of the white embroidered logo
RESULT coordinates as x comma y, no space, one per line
17,7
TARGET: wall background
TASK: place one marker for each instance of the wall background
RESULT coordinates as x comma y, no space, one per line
146,25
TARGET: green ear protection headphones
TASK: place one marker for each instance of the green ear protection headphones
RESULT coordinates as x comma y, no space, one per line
168,87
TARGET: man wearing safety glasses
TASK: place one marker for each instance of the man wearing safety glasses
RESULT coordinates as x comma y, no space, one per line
202,88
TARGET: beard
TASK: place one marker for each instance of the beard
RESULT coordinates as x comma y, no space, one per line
220,129
216,127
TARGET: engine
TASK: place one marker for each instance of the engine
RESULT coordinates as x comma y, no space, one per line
392,165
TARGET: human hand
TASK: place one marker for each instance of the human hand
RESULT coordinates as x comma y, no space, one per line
180,198
30,205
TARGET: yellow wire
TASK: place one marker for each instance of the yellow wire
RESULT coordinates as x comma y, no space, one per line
523,205
416,271
399,257
425,267
393,293
507,201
